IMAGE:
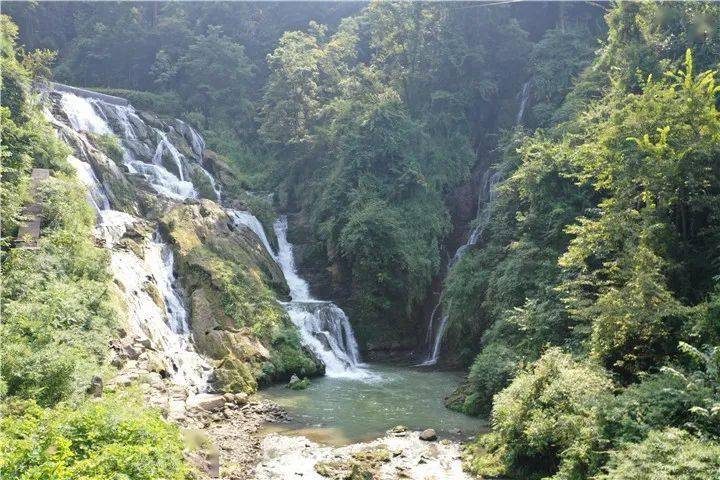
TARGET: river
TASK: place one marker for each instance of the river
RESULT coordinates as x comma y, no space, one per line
340,411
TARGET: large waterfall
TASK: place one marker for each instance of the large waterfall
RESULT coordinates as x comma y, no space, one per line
146,152
488,192
323,326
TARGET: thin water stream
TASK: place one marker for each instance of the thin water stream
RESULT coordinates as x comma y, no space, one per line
340,411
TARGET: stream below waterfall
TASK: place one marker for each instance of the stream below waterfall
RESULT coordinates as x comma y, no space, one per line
340,411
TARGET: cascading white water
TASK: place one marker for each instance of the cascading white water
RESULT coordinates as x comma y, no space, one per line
162,320
323,326
162,323
488,192
143,150
82,115
96,193
524,97
299,290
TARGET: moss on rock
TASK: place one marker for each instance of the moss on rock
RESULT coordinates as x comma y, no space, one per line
233,286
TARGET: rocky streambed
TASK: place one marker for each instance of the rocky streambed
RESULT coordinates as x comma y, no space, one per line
399,454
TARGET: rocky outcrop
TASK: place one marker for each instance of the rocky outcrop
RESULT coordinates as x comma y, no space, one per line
233,286
395,456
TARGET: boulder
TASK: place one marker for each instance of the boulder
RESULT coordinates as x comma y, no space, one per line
293,380
207,401
131,352
96,387
428,435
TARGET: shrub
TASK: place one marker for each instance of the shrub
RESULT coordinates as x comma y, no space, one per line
491,371
109,145
659,401
546,422
111,438
57,308
671,454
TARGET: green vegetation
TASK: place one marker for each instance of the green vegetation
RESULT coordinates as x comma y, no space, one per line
601,242
59,311
668,455
546,421
299,385
114,437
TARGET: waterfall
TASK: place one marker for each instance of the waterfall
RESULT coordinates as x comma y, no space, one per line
299,290
144,146
488,193
82,115
155,304
323,326
524,96
96,193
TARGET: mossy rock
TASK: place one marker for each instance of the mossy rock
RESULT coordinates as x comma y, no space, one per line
363,465
233,285
233,375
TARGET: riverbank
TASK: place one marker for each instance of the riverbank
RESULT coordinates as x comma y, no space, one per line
400,454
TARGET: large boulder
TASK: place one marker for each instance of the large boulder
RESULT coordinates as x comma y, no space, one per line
210,402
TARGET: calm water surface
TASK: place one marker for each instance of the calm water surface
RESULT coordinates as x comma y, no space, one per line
338,411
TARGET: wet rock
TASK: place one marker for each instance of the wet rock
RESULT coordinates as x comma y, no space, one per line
399,429
117,361
131,352
428,435
155,363
293,380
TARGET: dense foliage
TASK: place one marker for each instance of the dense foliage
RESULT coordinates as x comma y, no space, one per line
58,314
603,241
115,437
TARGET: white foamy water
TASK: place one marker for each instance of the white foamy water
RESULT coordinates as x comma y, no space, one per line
92,115
323,326
161,323
155,304
82,116
96,193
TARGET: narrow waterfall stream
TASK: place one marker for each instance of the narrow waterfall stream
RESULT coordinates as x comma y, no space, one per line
524,97
488,192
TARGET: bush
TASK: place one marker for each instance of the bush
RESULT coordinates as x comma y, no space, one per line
658,402
491,371
546,422
109,144
58,311
671,454
111,438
